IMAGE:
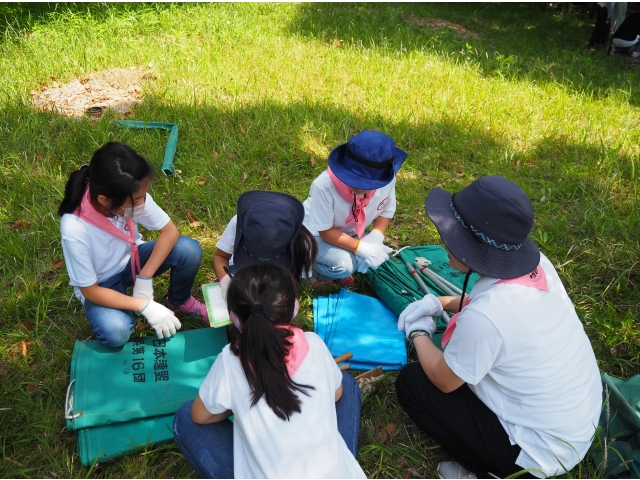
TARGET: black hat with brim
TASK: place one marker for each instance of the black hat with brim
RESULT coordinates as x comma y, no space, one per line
485,226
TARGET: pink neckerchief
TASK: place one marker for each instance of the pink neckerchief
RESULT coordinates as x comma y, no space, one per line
298,350
345,192
536,279
89,214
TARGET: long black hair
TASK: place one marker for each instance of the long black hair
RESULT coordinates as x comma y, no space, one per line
263,297
115,171
305,251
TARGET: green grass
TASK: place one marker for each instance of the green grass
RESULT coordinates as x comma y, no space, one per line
271,88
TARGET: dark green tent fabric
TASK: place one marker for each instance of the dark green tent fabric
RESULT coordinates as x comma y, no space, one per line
122,397
172,141
619,429
390,278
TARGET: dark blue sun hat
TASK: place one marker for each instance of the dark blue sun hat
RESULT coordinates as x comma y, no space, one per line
267,228
486,226
369,160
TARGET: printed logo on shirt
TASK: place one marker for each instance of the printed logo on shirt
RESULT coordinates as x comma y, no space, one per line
383,203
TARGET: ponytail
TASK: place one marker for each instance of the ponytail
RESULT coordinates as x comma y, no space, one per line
116,171
263,297
74,190
305,251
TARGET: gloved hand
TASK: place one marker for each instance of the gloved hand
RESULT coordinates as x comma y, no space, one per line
427,306
224,285
161,319
426,323
375,236
143,287
373,254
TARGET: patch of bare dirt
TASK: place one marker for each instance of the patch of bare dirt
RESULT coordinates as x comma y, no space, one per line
118,89
440,24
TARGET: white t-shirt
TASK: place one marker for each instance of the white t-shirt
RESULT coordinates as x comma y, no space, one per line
264,446
325,208
93,255
228,238
525,354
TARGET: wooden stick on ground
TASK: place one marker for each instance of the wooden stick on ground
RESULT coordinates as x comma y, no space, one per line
344,357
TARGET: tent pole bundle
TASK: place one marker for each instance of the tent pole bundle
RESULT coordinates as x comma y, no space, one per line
423,286
421,263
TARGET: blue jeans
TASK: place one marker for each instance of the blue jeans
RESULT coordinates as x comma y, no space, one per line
209,448
113,326
333,262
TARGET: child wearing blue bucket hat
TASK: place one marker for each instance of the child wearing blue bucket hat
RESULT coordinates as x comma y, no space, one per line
355,192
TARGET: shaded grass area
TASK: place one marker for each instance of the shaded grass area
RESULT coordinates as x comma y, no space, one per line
261,94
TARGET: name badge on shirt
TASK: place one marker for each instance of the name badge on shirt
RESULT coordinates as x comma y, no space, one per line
383,203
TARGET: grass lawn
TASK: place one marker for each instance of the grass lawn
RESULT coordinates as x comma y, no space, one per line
261,94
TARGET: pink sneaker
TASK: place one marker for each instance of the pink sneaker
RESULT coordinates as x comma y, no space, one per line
190,307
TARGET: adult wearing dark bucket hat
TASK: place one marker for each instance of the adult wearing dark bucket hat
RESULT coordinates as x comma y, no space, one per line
355,192
518,386
267,228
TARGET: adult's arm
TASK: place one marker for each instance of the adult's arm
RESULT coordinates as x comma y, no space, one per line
434,365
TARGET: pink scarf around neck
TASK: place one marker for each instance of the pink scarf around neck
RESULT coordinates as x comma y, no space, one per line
535,279
89,214
358,214
298,351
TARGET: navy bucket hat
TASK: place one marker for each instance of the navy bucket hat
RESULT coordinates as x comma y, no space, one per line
486,226
369,160
267,228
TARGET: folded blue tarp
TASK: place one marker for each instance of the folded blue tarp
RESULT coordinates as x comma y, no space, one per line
364,326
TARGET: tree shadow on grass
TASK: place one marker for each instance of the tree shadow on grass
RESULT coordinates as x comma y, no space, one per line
520,42
265,146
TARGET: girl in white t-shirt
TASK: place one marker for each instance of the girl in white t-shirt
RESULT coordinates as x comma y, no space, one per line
281,385
267,228
104,253
357,190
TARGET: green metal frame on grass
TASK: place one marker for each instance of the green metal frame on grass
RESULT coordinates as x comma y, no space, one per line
172,141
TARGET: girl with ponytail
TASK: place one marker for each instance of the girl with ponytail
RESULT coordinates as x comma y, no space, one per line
295,413
104,253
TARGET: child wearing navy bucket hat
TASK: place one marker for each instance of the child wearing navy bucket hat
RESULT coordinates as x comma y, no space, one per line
355,192
517,387
267,228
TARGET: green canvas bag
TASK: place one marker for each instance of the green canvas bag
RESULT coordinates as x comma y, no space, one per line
392,277
120,399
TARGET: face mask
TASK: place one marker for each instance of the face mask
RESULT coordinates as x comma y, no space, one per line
132,212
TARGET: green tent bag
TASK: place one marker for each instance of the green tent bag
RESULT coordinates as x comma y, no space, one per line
119,399
392,277
620,424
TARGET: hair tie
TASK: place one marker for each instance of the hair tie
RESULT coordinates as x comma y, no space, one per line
257,308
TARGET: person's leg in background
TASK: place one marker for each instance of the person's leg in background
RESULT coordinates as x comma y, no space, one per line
208,448
600,33
333,263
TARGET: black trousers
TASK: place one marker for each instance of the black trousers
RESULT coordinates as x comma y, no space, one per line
463,426
600,34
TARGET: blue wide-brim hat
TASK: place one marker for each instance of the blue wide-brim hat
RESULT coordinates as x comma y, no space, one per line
369,160
267,228
486,226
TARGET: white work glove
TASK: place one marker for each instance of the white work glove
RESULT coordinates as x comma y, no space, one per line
161,319
143,287
428,306
375,236
372,254
224,285
426,324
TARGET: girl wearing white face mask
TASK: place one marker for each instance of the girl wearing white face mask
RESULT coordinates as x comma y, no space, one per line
105,255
